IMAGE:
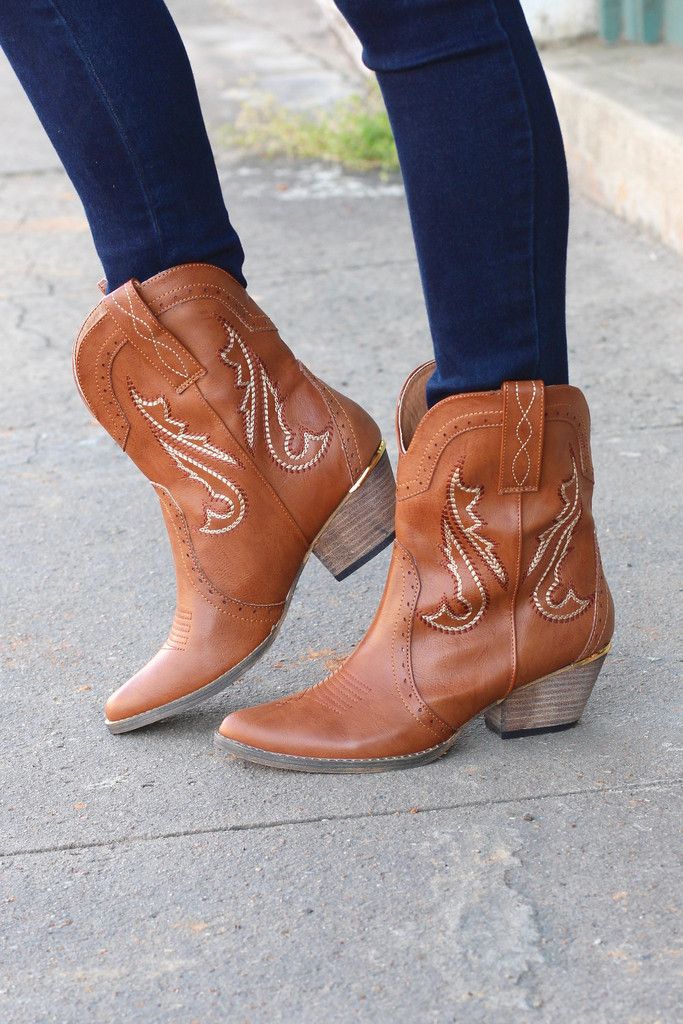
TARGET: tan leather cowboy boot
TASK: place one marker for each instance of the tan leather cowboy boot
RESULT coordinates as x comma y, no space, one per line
495,601
255,461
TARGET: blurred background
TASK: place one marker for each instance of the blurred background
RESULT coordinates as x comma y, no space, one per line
616,71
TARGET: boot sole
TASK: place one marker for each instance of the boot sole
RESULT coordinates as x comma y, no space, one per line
330,766
550,704
340,549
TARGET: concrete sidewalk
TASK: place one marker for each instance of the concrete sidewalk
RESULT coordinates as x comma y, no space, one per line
621,111
143,878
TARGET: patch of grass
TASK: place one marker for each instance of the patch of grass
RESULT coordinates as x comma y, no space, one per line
354,132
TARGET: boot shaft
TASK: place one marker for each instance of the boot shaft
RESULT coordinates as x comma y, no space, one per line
193,381
494,505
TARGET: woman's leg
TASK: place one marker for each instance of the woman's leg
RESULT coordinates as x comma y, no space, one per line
113,87
486,182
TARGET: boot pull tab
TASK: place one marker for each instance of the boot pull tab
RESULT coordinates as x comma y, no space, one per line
145,333
521,451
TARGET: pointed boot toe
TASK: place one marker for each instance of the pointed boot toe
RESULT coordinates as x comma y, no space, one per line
251,729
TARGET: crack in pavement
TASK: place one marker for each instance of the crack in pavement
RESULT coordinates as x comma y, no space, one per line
318,819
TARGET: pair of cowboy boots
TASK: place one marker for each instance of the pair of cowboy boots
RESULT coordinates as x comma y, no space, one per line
495,600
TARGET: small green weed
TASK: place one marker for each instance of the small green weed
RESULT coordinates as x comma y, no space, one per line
354,132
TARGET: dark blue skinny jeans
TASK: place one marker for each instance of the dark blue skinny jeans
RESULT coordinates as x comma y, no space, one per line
475,128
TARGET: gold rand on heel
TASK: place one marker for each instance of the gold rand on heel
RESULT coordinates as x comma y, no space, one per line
363,525
550,704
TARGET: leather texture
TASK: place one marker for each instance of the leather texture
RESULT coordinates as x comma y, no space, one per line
495,579
249,453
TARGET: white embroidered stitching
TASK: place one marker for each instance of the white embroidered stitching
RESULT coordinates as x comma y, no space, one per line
179,633
234,500
157,343
468,618
198,579
562,529
251,319
437,449
248,406
294,460
484,547
287,434
523,443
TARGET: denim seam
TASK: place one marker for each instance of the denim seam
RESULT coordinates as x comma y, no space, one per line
118,127
443,53
532,225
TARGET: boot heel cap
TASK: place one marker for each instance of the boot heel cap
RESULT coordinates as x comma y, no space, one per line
389,539
513,734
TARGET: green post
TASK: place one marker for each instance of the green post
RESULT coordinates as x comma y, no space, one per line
610,20
653,20
643,20
673,21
